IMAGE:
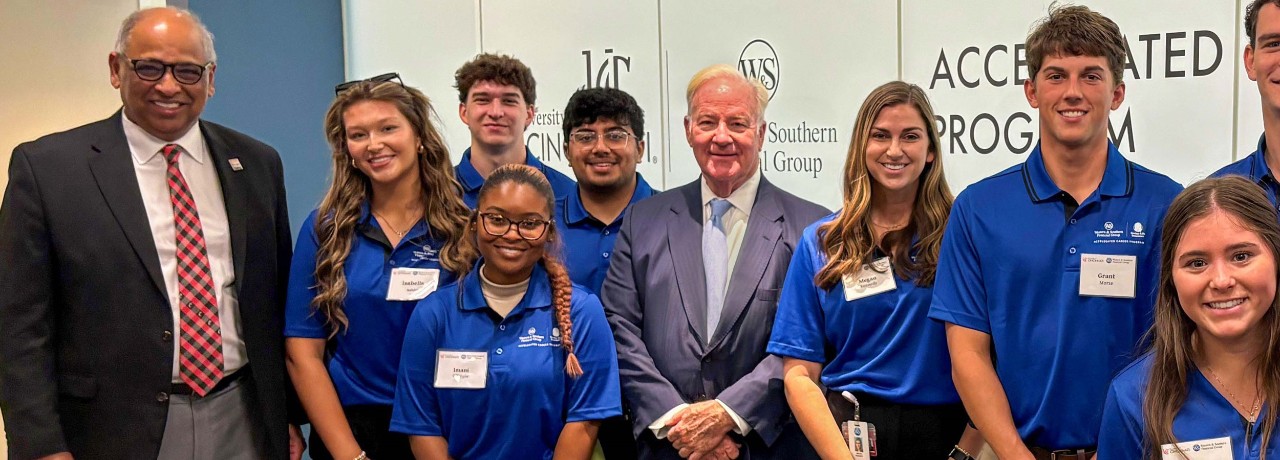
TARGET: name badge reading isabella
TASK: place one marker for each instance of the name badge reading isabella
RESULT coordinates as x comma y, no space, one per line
1204,449
461,369
1103,275
872,279
412,283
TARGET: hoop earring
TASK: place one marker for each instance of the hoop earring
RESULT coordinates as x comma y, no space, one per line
353,162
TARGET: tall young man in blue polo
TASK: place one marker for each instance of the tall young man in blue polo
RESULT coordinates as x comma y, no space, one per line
496,94
604,140
1048,269
1262,64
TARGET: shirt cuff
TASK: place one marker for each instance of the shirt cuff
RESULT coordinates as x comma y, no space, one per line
659,426
741,426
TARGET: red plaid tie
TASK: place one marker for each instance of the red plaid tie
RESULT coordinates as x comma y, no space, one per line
200,338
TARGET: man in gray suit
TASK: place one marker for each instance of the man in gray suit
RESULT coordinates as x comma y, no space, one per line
693,286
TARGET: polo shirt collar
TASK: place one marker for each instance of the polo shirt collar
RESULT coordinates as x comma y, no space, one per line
368,222
472,180
537,296
1117,179
575,212
1258,168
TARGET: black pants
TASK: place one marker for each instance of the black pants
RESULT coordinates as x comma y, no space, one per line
905,431
369,424
616,440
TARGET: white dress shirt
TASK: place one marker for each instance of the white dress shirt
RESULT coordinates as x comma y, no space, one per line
735,226
202,178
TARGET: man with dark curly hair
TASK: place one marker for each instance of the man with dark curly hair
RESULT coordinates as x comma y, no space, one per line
496,95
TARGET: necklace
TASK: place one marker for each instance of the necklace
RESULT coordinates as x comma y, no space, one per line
387,222
1253,411
887,227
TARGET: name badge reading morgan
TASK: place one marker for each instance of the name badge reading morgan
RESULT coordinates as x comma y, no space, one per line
461,369
871,279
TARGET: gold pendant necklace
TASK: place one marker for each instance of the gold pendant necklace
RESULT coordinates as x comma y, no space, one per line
1253,411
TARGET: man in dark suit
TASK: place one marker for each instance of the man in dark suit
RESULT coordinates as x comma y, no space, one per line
693,286
145,259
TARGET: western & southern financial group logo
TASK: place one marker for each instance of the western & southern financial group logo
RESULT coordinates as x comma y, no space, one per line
758,60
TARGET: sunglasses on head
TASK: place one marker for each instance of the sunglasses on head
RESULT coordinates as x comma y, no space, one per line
386,77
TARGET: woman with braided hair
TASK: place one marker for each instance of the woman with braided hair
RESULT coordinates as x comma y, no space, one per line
513,361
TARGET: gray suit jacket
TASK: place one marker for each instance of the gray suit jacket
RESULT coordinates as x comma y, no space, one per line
655,298
86,329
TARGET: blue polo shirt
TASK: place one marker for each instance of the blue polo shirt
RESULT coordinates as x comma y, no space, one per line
1010,267
588,242
367,354
1205,415
883,345
471,180
528,398
1254,167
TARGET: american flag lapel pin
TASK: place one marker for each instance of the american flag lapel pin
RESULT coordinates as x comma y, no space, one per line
235,164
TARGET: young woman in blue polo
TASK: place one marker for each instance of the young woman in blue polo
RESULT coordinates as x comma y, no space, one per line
388,231
513,361
852,313
1208,386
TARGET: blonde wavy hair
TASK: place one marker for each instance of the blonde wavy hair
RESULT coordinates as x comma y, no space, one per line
848,240
339,211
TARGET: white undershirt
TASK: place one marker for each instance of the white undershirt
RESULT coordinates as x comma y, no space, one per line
198,169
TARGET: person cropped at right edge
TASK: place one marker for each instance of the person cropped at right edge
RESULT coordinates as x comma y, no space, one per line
1047,271
852,316
1262,64
1207,386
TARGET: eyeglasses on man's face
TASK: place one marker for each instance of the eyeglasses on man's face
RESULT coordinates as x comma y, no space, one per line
153,70
613,139
386,77
499,225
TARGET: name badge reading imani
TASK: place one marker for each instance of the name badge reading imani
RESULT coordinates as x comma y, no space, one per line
872,279
461,369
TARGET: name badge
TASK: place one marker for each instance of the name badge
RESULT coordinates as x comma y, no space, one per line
1103,275
412,283
461,369
862,439
1204,449
872,279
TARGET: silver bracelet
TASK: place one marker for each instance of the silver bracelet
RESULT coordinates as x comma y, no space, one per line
362,456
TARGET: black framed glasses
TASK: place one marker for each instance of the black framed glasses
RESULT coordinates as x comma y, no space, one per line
613,139
386,77
153,70
499,225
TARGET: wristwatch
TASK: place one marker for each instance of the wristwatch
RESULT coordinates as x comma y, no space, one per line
959,454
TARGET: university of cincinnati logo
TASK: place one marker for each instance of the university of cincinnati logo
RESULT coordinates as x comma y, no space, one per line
758,60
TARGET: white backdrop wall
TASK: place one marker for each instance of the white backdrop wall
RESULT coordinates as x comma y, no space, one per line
1189,107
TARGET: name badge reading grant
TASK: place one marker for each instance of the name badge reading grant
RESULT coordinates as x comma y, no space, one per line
872,279
1204,449
412,283
1103,275
461,369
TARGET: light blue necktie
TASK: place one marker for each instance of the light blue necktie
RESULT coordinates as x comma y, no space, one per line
715,262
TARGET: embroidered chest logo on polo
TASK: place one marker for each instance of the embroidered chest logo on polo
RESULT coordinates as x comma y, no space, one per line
533,339
425,253
1138,231
1108,231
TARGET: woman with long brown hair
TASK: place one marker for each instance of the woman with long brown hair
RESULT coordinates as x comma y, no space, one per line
389,230
513,361
1208,385
852,316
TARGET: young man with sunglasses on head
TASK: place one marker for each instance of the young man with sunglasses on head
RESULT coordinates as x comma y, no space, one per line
496,94
136,323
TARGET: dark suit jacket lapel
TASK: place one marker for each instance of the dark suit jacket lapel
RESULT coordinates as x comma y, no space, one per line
763,229
684,240
233,189
112,169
